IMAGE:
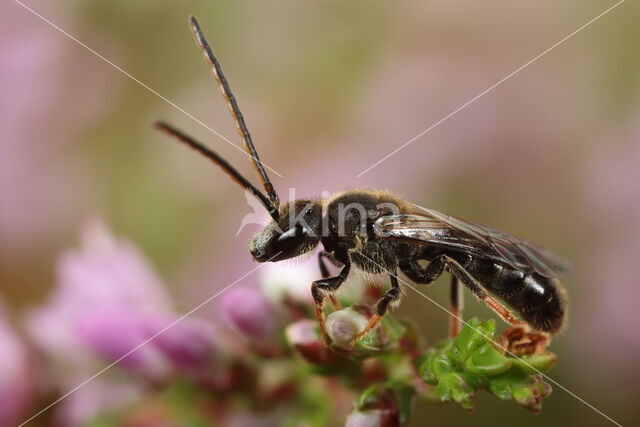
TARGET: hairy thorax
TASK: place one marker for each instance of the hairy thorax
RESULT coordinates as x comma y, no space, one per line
349,217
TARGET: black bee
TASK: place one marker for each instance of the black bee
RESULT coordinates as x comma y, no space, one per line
377,232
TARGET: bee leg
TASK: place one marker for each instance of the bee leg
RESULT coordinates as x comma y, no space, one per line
427,275
325,273
321,288
474,286
455,307
391,296
435,268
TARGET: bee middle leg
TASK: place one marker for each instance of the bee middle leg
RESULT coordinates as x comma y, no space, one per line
456,303
391,296
323,287
430,273
435,268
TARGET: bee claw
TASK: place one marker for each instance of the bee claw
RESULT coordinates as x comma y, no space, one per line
323,335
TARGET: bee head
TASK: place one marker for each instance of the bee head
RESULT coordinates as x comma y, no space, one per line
297,231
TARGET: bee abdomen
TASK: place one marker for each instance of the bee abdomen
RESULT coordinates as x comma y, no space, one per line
542,303
540,300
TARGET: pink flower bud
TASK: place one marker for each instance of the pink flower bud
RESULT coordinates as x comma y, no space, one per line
304,338
158,345
370,418
188,344
378,406
114,333
249,313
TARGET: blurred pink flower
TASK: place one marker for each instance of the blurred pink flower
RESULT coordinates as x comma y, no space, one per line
188,344
112,333
16,376
95,397
184,346
104,273
107,302
248,312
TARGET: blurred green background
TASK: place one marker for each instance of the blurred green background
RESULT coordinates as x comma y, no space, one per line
329,88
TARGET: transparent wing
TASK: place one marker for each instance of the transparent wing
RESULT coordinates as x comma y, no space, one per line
435,228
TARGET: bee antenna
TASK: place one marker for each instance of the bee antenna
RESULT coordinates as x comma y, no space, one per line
241,127
224,165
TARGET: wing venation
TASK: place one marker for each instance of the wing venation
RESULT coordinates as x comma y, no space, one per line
435,228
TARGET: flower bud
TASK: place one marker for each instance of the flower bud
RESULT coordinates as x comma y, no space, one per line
342,326
249,313
382,405
151,345
187,344
119,335
303,337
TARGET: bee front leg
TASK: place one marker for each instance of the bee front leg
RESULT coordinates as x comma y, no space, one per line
322,255
391,296
321,288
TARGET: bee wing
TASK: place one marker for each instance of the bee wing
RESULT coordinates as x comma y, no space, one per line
435,228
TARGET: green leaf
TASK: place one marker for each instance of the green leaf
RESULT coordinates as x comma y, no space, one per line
470,362
535,363
486,360
404,394
457,387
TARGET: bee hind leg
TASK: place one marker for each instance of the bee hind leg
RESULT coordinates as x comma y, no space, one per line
391,296
474,286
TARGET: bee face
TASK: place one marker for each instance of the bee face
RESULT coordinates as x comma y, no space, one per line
296,232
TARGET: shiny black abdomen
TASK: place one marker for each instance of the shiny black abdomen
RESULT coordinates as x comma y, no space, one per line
539,300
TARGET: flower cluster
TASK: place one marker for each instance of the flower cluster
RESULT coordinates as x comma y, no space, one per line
265,364
472,361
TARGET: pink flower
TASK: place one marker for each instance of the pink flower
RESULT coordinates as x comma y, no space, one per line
187,344
249,313
108,304
153,346
105,273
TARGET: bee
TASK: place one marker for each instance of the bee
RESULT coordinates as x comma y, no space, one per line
380,233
